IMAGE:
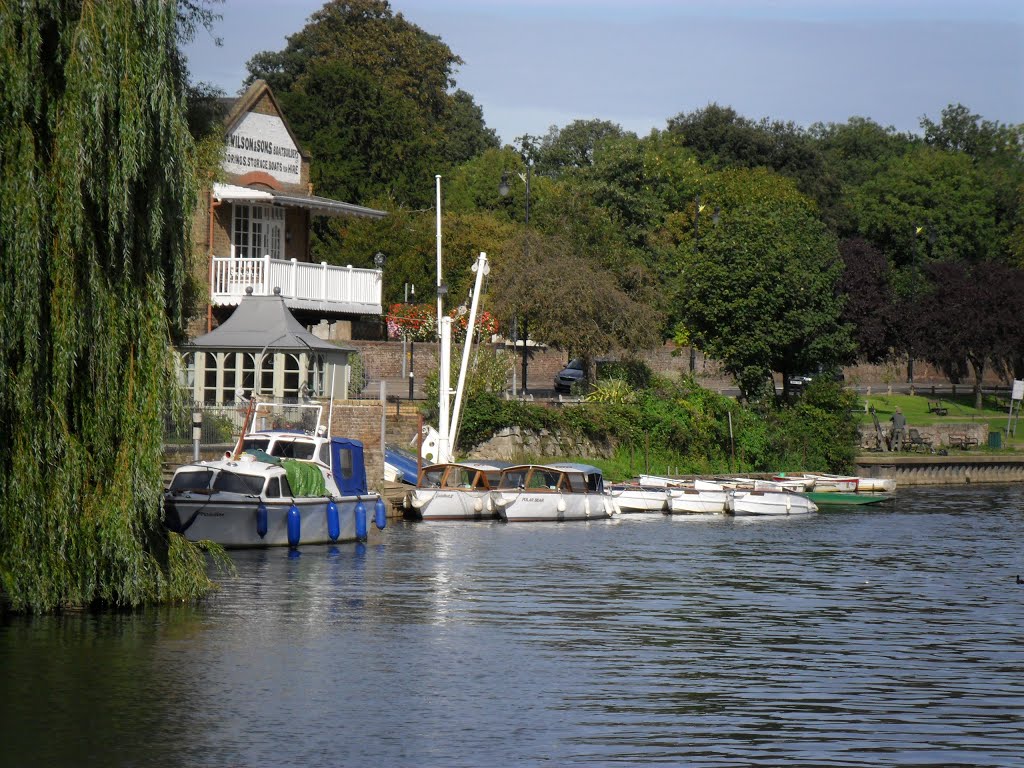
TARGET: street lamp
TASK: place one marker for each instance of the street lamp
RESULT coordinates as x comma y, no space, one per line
715,216
503,190
411,343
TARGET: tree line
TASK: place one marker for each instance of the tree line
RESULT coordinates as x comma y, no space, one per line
771,247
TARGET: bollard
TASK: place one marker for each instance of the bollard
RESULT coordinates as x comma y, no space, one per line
197,432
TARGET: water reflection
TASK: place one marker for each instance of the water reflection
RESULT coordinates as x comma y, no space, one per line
851,638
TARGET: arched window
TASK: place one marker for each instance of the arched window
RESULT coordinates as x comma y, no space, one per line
211,363
266,387
291,378
246,376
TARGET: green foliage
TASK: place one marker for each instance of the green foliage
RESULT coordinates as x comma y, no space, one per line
635,373
685,427
97,187
611,391
759,294
368,92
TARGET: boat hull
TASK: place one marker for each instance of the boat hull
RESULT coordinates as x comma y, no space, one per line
231,520
534,506
447,504
752,503
839,498
630,499
696,501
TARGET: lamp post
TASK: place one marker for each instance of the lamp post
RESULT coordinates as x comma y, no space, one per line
696,249
503,190
411,343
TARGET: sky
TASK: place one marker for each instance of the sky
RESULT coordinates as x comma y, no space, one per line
534,64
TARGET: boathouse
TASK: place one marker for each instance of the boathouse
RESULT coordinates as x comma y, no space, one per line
253,226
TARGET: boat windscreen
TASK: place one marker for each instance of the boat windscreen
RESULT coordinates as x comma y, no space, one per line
260,443
431,478
459,477
233,482
192,480
515,478
294,449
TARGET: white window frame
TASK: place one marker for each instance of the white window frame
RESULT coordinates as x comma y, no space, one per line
257,230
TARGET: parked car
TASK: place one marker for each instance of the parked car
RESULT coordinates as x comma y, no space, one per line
799,381
572,374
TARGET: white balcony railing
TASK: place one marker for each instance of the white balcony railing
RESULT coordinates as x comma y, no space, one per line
301,284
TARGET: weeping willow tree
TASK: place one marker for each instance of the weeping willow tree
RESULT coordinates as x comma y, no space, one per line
96,192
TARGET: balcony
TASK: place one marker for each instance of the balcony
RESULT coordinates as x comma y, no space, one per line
317,287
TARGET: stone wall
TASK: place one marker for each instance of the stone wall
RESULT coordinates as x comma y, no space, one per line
513,444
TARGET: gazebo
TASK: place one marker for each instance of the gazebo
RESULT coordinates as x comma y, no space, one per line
263,349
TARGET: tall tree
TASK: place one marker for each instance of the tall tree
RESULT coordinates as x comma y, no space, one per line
368,92
96,192
985,303
759,293
870,307
574,146
723,139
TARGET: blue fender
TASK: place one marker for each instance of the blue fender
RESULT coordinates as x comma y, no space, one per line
261,520
294,526
380,514
360,521
333,522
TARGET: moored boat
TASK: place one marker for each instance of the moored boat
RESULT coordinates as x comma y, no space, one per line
751,502
631,497
825,482
696,497
278,487
876,485
552,492
454,491
257,500
839,498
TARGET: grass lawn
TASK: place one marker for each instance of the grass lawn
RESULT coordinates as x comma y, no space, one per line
960,410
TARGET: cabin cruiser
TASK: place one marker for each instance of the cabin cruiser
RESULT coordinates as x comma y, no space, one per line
455,491
278,487
554,492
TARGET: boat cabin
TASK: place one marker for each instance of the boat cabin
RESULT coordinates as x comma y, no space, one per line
464,476
565,478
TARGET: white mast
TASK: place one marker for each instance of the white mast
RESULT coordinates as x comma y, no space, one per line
440,309
481,269
444,391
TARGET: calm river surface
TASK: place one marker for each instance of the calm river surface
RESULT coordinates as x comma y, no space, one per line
868,637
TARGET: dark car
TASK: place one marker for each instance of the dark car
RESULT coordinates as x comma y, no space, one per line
799,381
572,374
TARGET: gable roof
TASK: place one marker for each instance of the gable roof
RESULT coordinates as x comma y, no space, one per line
264,323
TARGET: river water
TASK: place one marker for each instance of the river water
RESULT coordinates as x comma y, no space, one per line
877,636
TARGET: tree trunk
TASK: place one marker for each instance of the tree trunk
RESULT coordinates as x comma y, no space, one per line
979,374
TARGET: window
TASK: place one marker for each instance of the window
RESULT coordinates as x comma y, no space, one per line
233,482
192,481
291,378
274,488
258,230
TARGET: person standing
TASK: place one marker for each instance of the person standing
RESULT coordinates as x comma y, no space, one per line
899,428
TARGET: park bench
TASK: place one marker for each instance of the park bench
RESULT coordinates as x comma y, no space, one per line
916,440
962,441
936,407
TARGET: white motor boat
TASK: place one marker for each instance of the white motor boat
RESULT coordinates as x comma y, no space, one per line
696,498
744,501
553,492
876,485
630,497
278,487
455,491
824,483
